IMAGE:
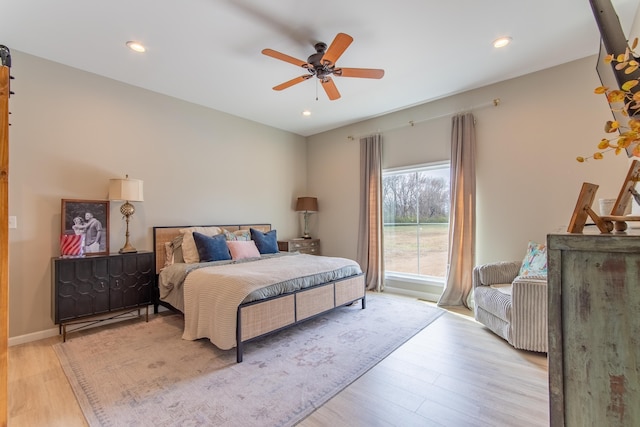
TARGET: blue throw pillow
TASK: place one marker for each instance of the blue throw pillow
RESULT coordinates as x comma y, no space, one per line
211,248
267,243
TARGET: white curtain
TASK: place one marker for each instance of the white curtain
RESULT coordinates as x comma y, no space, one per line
370,249
462,217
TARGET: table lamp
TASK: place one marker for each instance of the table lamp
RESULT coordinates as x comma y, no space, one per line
308,205
128,190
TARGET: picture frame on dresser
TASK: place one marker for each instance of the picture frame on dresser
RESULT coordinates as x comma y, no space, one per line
89,218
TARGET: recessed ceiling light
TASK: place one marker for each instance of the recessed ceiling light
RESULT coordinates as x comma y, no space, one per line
501,42
306,113
136,46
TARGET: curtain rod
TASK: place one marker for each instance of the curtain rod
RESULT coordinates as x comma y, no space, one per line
495,102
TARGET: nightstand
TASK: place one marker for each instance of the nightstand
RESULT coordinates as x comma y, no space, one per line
304,246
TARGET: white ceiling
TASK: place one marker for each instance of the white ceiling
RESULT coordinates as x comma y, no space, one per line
209,51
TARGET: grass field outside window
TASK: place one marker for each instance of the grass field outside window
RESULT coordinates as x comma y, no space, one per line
416,249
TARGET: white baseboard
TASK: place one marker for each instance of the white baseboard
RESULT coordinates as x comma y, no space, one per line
48,333
417,294
35,336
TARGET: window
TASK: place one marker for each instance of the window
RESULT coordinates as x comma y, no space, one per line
416,221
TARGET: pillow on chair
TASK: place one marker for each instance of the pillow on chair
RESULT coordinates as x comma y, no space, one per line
535,260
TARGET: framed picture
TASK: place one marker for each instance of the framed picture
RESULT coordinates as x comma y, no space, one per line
89,218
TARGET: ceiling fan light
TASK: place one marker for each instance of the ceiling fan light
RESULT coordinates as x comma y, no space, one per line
136,46
501,42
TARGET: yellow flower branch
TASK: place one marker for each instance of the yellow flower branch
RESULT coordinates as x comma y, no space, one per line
629,138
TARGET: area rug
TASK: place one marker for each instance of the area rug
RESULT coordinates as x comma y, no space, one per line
144,374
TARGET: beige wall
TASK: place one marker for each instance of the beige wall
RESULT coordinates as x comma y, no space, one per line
527,176
71,131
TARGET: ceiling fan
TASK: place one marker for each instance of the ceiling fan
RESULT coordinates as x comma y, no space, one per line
322,64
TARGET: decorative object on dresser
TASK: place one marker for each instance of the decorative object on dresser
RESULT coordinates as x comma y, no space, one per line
127,190
618,218
304,246
85,288
594,329
88,218
71,245
307,205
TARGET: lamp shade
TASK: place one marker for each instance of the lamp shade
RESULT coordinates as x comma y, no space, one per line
126,189
307,204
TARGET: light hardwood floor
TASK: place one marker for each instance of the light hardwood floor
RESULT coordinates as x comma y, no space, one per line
455,372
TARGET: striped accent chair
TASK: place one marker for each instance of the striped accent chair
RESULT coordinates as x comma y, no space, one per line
513,307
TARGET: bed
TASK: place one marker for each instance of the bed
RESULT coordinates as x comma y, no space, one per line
234,301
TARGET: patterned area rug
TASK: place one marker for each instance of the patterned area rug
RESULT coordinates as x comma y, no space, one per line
144,374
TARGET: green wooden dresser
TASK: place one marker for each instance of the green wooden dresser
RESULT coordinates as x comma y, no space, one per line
594,329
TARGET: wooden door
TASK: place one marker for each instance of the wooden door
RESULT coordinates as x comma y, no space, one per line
4,238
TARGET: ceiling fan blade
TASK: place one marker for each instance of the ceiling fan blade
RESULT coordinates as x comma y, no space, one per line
292,82
367,73
330,88
337,48
281,56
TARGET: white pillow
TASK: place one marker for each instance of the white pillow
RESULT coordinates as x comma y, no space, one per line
189,249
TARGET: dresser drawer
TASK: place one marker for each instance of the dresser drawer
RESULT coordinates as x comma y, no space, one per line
298,244
305,246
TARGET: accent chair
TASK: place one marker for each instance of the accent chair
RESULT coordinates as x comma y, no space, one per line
512,305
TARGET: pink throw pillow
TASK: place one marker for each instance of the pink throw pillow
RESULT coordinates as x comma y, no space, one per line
243,249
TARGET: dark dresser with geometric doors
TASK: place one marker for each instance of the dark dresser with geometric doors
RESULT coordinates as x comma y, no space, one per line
99,285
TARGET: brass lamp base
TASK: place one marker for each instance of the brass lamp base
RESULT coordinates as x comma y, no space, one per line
127,209
127,249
